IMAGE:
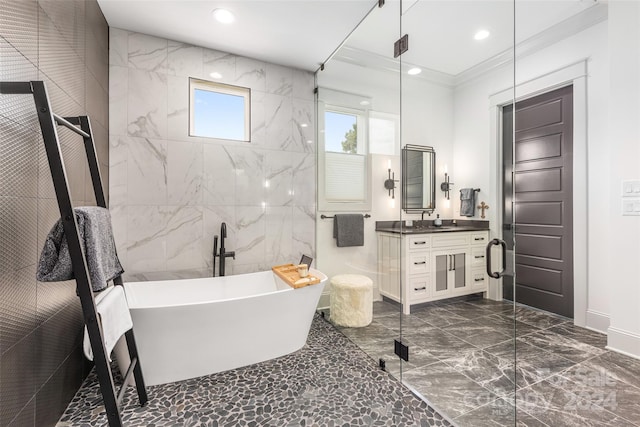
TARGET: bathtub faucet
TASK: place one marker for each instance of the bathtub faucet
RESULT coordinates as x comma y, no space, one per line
223,253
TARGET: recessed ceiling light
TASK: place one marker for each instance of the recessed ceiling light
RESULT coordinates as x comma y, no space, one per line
224,16
414,71
215,75
365,102
481,35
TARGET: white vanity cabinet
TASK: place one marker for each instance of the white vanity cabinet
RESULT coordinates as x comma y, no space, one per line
431,266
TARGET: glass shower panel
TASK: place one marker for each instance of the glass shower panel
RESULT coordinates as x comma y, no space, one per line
358,116
576,93
460,332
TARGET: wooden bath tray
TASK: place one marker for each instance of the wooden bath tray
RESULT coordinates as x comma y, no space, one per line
289,273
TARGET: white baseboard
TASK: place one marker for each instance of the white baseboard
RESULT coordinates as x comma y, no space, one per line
625,342
598,321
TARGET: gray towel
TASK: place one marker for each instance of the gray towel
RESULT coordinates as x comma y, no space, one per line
348,229
467,202
96,237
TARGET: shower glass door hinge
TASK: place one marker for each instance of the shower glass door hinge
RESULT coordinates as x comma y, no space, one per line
382,364
401,46
401,350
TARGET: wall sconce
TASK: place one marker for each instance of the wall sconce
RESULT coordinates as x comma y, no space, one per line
446,185
390,183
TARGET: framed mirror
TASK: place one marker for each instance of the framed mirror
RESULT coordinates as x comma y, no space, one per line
418,178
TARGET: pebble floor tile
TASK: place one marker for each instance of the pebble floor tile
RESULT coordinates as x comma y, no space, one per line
329,382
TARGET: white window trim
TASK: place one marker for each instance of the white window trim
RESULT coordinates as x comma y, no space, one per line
206,85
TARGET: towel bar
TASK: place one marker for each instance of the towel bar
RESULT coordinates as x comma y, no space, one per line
323,216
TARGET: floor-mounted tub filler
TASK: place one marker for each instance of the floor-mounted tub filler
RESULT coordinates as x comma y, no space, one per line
195,327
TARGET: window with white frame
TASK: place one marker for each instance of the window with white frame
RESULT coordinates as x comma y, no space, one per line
343,155
219,110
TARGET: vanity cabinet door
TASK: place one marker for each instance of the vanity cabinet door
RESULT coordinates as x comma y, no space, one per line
450,271
459,269
440,269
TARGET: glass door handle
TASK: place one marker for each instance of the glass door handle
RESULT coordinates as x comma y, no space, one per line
496,242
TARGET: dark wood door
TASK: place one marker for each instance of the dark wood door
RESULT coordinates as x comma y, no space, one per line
542,200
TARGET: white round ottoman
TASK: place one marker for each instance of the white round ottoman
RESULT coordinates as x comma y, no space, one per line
351,300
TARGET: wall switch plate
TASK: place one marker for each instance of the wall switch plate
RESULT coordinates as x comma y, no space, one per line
631,188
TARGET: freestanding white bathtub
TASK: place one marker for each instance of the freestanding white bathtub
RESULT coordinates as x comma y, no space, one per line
195,327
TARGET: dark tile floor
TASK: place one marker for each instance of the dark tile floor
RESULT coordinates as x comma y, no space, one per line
461,359
329,382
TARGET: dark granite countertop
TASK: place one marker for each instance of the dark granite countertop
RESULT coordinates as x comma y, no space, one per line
427,227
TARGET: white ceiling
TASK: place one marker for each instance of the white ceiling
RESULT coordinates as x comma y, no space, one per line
297,33
303,33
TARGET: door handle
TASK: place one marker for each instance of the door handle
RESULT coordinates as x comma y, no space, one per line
453,261
496,242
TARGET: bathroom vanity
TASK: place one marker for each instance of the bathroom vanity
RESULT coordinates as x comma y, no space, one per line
431,263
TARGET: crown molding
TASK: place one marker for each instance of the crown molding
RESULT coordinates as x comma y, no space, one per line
554,34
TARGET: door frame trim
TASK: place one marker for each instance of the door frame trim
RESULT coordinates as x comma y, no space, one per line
573,74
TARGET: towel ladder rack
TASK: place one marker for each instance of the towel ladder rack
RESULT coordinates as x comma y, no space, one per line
81,126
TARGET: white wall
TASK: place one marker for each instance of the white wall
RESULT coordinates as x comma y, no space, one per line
426,120
623,280
170,191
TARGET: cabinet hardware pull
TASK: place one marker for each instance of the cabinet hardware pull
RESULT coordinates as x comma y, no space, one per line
479,280
420,263
478,238
419,243
453,259
450,262
479,256
420,289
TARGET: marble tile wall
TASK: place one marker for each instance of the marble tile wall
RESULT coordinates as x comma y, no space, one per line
170,192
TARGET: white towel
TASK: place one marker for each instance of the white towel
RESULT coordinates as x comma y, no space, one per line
113,312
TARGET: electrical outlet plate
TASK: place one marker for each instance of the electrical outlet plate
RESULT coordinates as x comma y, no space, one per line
631,207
